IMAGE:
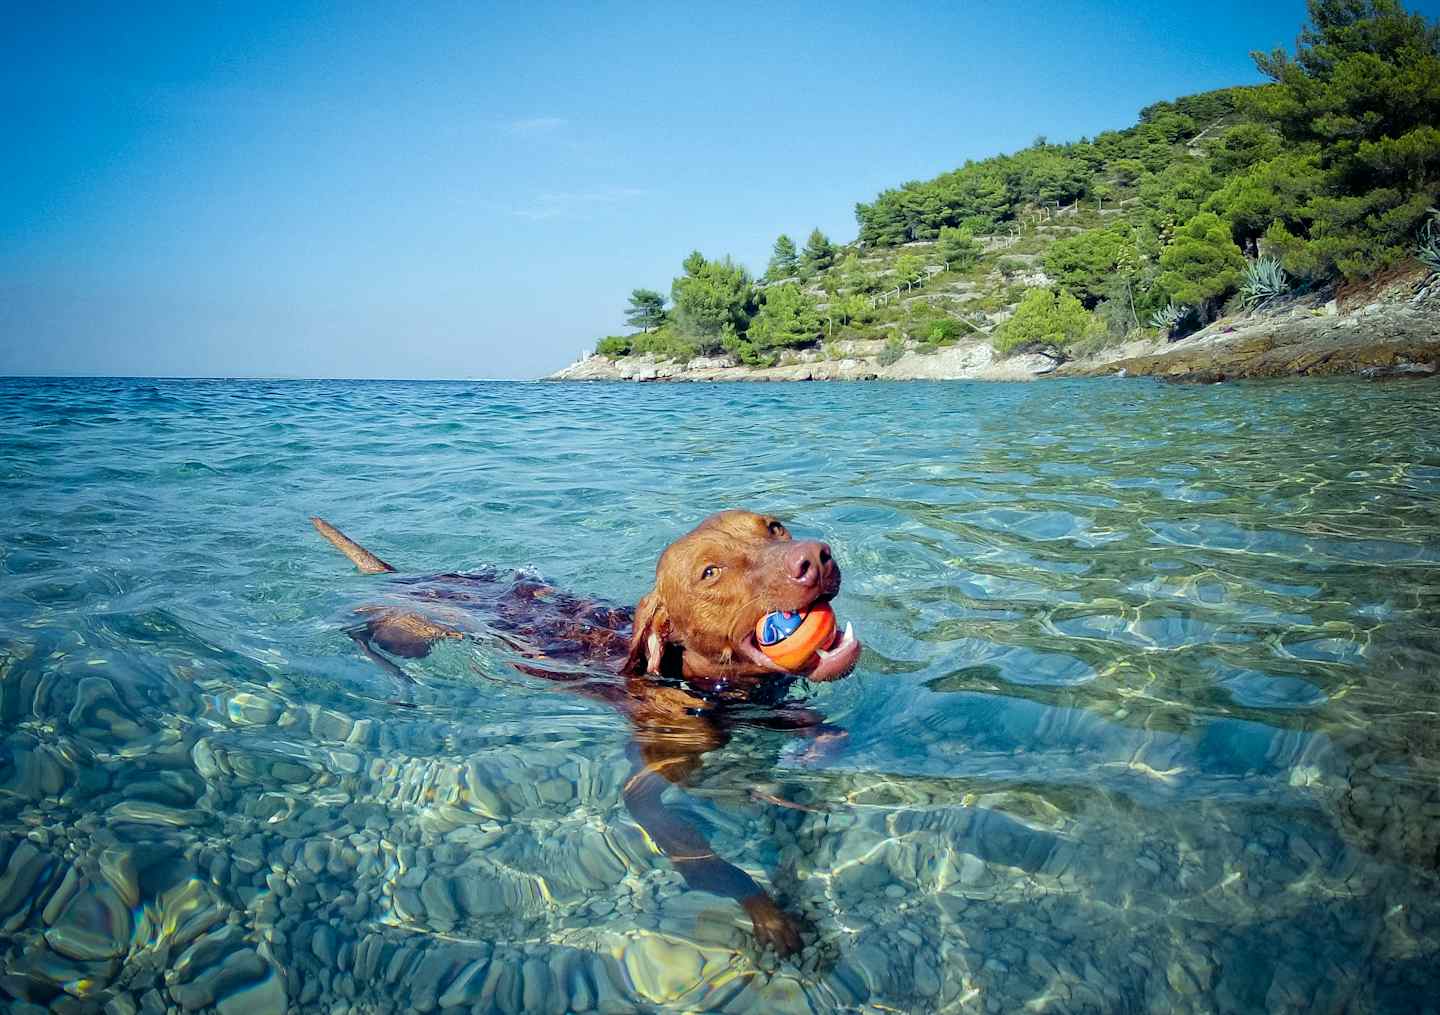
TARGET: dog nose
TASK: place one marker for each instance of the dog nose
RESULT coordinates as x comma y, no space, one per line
805,562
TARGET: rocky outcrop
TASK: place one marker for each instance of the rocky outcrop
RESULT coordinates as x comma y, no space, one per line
1396,334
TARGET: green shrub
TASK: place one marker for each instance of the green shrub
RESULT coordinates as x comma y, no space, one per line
1201,264
1127,171
1176,194
1046,321
1087,263
894,349
856,278
1117,318
665,343
1276,190
1243,146
943,331
854,308
751,355
908,268
958,248
613,346
1296,255
1030,242
1009,267
1012,294
787,319
1361,234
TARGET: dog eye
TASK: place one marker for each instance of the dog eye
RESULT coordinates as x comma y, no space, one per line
709,572
776,529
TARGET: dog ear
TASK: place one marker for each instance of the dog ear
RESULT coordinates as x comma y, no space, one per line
649,638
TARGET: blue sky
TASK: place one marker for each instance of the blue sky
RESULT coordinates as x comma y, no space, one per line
472,189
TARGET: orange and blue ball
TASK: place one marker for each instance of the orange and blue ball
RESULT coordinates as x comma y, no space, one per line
791,639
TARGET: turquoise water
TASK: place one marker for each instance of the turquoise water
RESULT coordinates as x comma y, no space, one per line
1147,719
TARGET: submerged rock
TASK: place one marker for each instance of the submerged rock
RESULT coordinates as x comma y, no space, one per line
540,995
25,876
239,969
207,951
263,997
246,709
187,910
467,985
94,925
661,969
117,867
77,977
62,895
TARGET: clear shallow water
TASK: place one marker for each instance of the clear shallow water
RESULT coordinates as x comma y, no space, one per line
1147,718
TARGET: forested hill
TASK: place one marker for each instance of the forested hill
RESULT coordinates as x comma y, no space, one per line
1228,199
987,195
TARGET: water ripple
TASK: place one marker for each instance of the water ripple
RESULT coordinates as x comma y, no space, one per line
1146,721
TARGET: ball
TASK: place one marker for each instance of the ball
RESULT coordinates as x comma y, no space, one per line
790,639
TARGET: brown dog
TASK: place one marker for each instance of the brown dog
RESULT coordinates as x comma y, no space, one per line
684,658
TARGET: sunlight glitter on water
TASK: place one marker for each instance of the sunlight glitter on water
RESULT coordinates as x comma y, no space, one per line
1146,718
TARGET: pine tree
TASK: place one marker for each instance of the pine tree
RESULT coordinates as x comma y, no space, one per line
646,309
783,259
819,253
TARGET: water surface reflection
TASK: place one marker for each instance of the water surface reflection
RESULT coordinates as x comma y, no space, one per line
1146,719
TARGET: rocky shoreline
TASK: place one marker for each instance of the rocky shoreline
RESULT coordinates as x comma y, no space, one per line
1389,327
854,361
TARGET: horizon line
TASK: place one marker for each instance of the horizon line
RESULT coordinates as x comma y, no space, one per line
245,377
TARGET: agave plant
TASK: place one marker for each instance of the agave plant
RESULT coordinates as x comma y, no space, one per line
1265,280
1168,317
1429,249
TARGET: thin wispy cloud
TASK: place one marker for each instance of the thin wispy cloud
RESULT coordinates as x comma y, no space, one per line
570,204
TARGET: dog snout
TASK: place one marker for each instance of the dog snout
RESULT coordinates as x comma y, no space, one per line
809,562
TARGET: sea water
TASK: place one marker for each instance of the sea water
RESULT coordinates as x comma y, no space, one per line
1146,720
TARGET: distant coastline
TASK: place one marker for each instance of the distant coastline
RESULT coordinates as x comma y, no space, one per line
1387,327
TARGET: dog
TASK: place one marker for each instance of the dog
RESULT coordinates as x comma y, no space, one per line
680,666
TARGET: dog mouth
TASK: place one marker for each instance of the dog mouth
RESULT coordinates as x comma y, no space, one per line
829,663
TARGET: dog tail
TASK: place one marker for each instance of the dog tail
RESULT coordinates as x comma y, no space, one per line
362,558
